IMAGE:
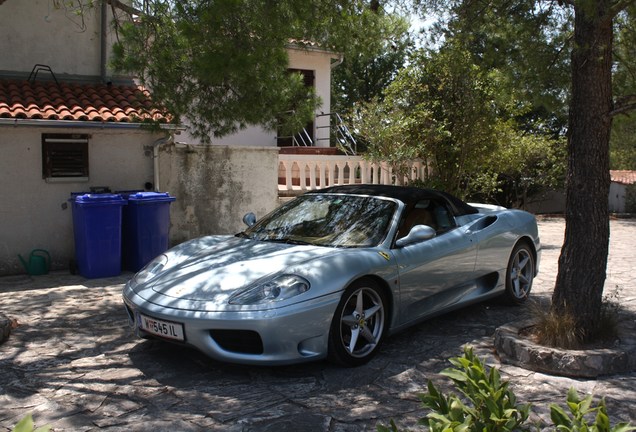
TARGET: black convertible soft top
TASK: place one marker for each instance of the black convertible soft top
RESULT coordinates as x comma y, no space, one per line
408,195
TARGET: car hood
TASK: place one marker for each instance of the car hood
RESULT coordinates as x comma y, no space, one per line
204,273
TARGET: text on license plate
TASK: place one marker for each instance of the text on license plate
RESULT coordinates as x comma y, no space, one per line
161,328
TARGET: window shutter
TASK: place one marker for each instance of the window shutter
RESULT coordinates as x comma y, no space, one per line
64,155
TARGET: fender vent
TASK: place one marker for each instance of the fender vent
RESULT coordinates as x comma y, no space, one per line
484,222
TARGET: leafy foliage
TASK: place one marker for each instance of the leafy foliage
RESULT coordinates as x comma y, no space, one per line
488,405
370,59
493,406
527,42
623,141
579,412
527,165
436,109
222,64
447,111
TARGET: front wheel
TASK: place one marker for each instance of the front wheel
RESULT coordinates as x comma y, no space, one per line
359,324
520,274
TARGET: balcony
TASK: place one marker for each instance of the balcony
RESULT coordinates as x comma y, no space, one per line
301,169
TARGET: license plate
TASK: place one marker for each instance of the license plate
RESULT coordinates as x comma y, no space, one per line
166,329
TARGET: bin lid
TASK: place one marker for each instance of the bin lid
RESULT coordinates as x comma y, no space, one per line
99,199
126,193
149,197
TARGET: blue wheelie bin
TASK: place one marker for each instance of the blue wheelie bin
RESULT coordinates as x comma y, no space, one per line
97,224
145,228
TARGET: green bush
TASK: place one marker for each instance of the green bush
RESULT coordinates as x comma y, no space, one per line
579,410
488,405
492,405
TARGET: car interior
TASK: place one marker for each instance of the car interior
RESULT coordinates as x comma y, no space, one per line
426,212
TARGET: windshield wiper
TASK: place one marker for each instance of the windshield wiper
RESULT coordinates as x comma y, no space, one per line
288,241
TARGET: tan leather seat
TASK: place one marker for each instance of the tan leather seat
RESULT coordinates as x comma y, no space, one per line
417,216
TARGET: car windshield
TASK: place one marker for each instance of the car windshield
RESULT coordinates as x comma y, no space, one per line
327,220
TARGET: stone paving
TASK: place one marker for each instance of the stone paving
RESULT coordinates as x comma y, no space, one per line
73,363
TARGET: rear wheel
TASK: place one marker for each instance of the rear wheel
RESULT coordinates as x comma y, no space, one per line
520,274
359,324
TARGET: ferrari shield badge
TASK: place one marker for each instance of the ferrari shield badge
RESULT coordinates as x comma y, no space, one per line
385,255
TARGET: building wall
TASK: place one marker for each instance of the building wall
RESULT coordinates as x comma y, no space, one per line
252,136
36,214
551,202
617,195
36,32
317,60
215,186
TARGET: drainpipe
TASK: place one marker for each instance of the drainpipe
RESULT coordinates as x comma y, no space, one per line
155,159
103,45
338,61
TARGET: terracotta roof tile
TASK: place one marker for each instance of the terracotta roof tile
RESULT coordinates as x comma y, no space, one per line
78,102
626,177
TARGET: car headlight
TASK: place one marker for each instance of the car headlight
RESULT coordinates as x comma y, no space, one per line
275,290
151,269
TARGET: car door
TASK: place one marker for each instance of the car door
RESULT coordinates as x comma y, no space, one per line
435,273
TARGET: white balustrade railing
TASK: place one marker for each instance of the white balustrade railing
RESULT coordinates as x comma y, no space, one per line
310,172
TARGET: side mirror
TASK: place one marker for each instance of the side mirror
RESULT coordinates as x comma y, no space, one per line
418,234
249,219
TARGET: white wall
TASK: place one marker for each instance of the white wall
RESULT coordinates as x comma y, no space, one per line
34,31
36,214
317,60
215,186
252,136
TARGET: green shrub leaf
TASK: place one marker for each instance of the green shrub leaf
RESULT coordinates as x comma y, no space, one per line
559,416
27,425
623,427
24,425
455,375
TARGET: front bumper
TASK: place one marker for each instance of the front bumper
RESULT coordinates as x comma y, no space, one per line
292,334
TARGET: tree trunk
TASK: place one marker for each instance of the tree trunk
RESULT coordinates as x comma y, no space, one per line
583,260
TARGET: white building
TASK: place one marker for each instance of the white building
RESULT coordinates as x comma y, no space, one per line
58,97
622,195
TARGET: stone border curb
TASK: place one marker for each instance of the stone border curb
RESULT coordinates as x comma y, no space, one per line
591,363
5,328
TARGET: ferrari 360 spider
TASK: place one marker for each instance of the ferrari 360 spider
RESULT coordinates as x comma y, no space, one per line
331,273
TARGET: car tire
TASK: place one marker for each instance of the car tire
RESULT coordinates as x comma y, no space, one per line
519,274
359,324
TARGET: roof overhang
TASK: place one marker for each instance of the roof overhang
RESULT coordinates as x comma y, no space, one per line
18,122
313,47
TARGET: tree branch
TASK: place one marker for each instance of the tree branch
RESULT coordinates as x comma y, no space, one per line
119,5
624,105
565,2
618,7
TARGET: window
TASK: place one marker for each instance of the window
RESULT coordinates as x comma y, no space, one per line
64,156
427,212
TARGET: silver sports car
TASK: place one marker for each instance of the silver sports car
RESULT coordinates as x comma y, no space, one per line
333,272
